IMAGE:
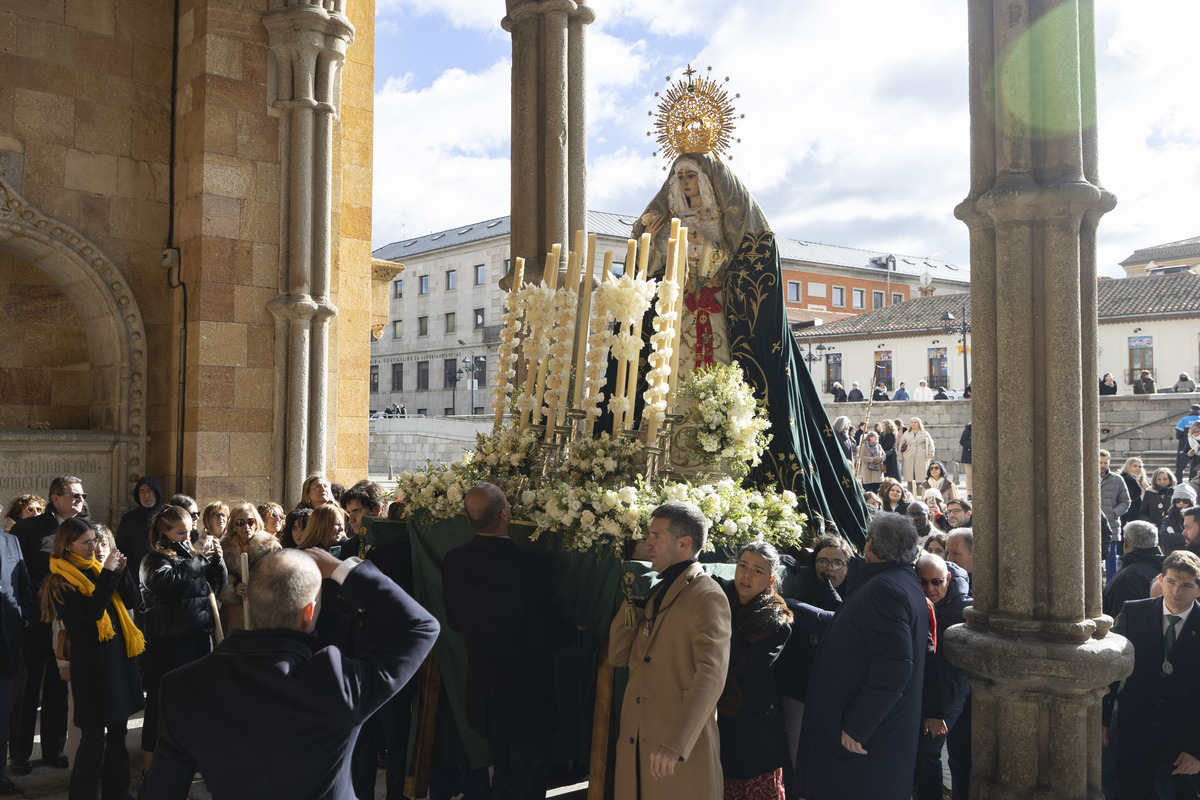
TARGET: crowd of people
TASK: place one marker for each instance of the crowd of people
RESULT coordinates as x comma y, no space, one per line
109,615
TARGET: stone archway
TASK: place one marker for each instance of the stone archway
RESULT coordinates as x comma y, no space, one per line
113,448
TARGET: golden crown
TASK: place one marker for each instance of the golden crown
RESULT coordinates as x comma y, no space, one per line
695,116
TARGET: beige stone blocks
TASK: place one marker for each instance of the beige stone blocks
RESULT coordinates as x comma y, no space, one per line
91,172
46,41
142,180
221,343
255,386
98,16
43,117
103,128
257,136
102,54
8,32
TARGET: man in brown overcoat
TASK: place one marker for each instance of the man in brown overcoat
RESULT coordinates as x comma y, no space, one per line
677,654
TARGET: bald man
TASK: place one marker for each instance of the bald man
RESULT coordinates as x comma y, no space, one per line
495,594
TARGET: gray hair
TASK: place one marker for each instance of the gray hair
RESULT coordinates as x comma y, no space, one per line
280,586
841,423
967,534
1139,534
684,519
893,538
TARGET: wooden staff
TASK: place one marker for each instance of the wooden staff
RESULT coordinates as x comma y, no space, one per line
858,455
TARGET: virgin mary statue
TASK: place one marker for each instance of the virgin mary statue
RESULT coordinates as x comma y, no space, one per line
734,311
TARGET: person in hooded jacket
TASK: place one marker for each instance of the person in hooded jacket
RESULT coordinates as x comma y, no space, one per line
1156,501
133,533
178,584
1170,530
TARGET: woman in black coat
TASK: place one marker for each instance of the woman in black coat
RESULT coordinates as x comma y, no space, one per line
95,603
178,585
1138,484
749,715
887,440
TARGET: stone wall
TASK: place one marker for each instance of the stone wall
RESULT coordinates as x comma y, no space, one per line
408,442
946,419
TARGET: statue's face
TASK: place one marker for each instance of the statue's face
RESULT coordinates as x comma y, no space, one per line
689,183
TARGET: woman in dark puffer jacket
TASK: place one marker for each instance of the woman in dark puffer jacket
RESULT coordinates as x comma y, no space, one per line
176,585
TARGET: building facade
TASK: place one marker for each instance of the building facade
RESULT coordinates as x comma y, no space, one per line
1150,323
445,307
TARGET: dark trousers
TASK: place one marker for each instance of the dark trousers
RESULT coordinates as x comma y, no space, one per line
927,777
163,655
958,748
519,770
101,758
388,728
38,679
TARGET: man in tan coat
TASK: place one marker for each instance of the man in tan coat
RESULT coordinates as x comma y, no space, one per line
677,654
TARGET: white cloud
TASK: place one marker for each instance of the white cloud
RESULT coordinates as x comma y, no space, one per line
441,153
459,13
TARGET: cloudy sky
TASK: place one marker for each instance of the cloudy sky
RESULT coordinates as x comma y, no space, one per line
855,129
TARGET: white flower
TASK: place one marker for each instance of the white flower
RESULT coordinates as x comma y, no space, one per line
587,519
729,528
628,494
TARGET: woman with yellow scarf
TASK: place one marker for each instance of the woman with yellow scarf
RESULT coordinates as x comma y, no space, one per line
95,602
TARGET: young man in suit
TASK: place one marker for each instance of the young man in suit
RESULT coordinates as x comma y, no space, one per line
495,594
1157,708
265,716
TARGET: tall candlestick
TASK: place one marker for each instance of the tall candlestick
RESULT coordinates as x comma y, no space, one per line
246,580
630,258
583,327
643,258
506,360
551,283
677,341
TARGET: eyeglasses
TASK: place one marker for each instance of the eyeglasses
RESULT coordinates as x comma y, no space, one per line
34,509
932,581
195,515
74,495
832,563
279,517
89,544
245,523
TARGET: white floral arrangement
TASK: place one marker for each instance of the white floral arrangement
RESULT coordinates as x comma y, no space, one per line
438,490
600,341
730,424
602,460
562,337
594,518
506,360
626,300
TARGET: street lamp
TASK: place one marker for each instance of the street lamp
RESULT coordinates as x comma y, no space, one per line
454,379
960,327
812,358
471,367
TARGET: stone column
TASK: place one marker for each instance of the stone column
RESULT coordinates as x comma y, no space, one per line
308,41
549,144
1036,645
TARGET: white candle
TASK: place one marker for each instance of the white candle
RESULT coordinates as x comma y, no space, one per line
246,580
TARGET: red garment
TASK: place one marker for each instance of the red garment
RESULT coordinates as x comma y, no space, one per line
768,786
703,303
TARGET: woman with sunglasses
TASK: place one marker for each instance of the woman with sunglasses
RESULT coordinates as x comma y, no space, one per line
245,535
272,516
22,507
177,583
95,601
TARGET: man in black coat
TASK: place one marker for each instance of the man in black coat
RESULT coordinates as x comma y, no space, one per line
1140,565
264,716
1158,705
880,393
856,395
864,704
495,594
39,676
133,534
945,690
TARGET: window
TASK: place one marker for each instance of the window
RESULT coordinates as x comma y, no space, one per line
897,298
374,378
939,371
449,376
451,324
618,269
422,376
876,299
793,292
480,274
423,282
833,370
422,412
447,412
1141,356
479,317
816,289
883,363
398,289
839,297
451,280
397,377
422,326
858,297
397,328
